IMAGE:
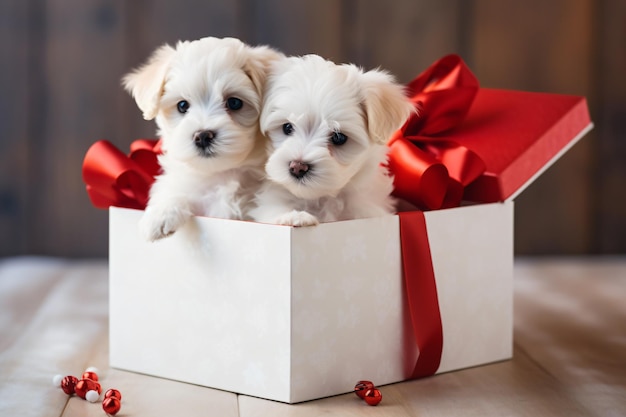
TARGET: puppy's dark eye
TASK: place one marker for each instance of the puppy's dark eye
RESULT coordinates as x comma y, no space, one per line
182,106
287,129
234,103
338,138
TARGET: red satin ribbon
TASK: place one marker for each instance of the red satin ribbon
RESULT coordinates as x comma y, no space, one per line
115,179
421,289
429,170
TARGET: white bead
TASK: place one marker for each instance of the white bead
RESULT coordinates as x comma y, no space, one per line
92,369
56,380
92,396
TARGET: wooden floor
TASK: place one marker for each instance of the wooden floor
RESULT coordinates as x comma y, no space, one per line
569,358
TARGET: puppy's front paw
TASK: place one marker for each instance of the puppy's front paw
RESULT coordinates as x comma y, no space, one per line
157,224
297,218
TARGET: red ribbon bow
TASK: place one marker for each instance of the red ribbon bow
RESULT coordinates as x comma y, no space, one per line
115,179
431,171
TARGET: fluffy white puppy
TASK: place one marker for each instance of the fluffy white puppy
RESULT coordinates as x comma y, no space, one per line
206,97
328,126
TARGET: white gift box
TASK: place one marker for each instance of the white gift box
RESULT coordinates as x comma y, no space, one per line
294,314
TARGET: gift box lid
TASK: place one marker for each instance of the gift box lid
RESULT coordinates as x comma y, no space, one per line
478,144
519,135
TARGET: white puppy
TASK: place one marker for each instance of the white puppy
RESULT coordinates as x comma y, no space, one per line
328,126
206,96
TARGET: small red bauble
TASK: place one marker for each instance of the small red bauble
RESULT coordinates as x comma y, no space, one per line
361,388
90,375
373,396
68,384
85,385
111,405
113,393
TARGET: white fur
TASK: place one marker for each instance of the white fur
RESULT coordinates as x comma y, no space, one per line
318,97
220,181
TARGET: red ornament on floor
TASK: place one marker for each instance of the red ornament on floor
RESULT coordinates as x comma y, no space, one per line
85,385
68,384
361,388
90,375
373,396
111,405
113,393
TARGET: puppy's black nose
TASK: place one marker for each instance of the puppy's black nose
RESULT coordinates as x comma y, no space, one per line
298,169
204,138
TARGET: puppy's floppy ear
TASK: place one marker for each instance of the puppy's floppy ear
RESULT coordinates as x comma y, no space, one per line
385,103
145,84
258,65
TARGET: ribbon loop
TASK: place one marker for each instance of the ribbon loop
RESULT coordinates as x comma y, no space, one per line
115,179
418,176
444,92
442,95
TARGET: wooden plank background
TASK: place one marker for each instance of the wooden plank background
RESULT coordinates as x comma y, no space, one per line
61,62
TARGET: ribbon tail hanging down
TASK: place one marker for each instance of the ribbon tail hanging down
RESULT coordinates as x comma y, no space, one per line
421,289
